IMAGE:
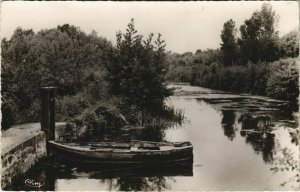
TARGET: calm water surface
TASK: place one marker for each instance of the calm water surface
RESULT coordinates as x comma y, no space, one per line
240,143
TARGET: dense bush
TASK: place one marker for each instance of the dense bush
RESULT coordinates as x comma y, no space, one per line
65,57
98,120
278,79
241,79
289,44
186,67
283,82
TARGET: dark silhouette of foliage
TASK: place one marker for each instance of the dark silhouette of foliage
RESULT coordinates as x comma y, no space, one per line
65,57
228,121
137,68
91,75
229,45
289,44
259,38
284,81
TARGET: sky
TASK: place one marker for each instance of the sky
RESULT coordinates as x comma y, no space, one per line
185,26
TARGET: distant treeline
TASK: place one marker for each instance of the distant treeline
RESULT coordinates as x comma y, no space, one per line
257,62
100,86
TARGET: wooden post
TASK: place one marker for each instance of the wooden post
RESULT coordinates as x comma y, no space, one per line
52,95
48,95
44,109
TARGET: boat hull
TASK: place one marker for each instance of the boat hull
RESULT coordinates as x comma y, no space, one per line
124,156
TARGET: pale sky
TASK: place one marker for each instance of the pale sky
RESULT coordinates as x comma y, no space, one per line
185,26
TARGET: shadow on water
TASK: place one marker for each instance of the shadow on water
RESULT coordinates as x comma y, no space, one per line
122,178
43,172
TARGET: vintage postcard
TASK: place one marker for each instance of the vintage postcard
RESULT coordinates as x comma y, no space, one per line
149,96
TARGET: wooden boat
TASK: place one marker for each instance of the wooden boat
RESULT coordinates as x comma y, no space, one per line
134,152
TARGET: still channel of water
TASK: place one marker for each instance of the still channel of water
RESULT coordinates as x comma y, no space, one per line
241,142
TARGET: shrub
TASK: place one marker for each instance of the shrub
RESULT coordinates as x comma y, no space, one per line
283,81
8,107
98,120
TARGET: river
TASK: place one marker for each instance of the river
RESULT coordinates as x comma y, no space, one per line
241,142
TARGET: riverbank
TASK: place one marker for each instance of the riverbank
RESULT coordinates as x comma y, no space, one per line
203,93
22,146
189,91
278,79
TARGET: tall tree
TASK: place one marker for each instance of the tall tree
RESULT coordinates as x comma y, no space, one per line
259,37
229,43
137,68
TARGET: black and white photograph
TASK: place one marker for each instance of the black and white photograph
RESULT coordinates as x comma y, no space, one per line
150,95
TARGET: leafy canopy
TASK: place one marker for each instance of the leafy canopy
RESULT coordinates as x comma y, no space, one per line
259,37
229,45
137,68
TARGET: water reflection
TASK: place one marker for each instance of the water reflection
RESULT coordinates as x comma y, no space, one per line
257,130
255,122
260,125
140,184
262,143
123,178
228,122
40,173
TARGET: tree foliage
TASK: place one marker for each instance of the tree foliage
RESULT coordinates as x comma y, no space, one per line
137,68
97,82
284,81
289,44
259,37
65,57
229,45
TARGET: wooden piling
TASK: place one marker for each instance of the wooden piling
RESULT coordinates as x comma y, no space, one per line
48,95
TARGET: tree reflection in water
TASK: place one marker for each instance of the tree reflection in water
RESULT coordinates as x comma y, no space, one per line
228,122
138,183
262,143
258,132
142,178
258,122
257,129
141,184
263,130
254,128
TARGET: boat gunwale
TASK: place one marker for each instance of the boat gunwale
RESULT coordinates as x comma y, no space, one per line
114,150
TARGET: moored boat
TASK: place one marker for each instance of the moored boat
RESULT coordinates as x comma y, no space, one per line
134,152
